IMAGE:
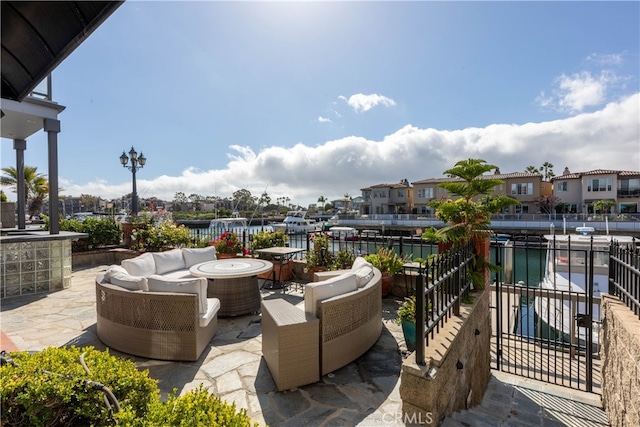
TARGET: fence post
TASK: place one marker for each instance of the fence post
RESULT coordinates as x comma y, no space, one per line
457,285
420,318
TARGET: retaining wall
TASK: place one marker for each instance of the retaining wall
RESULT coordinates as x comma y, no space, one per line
458,366
621,363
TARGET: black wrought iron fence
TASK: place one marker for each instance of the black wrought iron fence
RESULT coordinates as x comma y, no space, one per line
440,288
411,247
624,275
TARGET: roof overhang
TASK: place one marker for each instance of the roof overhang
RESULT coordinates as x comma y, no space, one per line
38,35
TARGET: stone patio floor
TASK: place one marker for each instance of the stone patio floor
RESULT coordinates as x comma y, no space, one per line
363,393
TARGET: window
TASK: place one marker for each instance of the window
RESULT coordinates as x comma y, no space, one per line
522,188
562,186
401,194
600,184
522,208
426,193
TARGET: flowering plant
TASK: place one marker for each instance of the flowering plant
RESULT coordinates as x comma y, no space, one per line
319,255
228,243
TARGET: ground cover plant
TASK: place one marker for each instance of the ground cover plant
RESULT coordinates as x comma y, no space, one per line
70,387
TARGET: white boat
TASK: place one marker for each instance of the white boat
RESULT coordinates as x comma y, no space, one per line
343,233
568,267
296,222
235,224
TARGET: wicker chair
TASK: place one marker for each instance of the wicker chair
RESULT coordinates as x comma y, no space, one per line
155,325
343,328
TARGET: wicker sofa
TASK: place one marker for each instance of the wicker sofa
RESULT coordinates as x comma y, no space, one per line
151,306
340,319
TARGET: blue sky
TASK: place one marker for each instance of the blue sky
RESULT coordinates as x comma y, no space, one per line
321,99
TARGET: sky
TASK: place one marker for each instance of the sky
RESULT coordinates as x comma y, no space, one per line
311,99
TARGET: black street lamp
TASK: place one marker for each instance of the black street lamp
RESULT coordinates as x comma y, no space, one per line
136,163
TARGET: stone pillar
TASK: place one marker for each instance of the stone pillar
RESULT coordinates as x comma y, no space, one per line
52,127
20,145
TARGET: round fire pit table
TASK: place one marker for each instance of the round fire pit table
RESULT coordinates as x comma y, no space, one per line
234,282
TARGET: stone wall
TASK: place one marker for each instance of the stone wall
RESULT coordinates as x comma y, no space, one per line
7,215
101,257
458,366
621,363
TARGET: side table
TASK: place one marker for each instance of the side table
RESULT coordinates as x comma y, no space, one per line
290,344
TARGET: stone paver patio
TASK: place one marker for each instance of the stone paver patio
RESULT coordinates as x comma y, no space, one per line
364,392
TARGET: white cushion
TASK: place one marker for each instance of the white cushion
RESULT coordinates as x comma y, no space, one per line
142,265
360,262
363,275
319,291
213,305
197,285
193,256
168,261
178,274
112,270
127,281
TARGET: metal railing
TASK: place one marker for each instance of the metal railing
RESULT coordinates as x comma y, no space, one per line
624,275
410,247
440,287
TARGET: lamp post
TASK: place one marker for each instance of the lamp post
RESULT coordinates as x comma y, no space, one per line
136,163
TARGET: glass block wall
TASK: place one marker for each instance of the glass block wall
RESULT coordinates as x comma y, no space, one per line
34,266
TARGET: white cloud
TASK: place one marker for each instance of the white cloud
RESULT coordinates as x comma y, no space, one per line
577,92
323,119
349,164
606,59
361,102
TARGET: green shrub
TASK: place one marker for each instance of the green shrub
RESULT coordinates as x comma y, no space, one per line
268,239
194,408
31,396
153,237
102,232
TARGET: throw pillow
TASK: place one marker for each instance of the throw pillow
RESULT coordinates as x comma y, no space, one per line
193,256
127,281
319,291
363,275
168,261
142,265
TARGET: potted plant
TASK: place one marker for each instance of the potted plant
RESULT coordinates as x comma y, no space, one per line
270,239
319,257
468,217
343,259
389,263
407,319
227,245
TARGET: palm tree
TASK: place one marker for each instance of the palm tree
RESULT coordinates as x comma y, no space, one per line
532,169
36,186
547,171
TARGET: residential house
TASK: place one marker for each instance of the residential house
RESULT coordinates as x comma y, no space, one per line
387,199
525,187
579,191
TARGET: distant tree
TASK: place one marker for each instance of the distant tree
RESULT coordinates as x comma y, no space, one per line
546,203
547,171
3,197
242,199
532,169
603,206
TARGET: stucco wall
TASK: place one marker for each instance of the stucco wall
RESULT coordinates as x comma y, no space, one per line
621,363
455,386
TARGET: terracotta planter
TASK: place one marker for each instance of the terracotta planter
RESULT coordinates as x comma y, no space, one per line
386,283
225,256
283,272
